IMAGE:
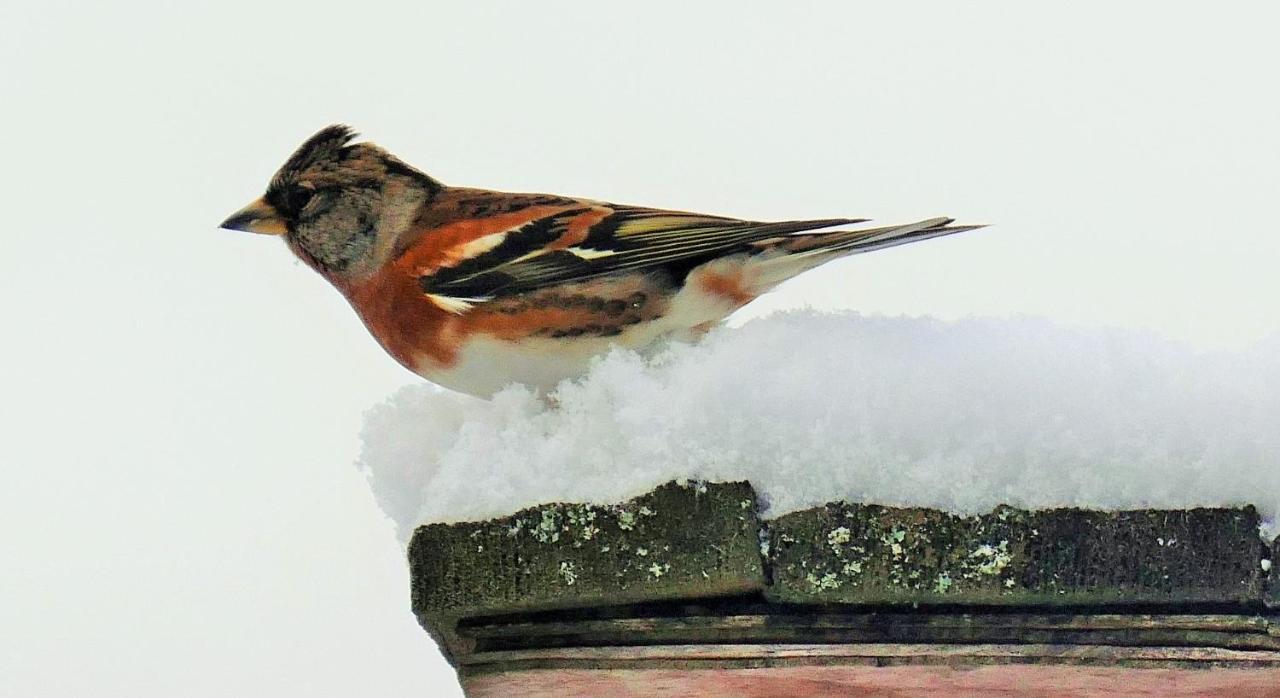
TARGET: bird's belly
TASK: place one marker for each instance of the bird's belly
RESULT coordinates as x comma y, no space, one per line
505,352
485,365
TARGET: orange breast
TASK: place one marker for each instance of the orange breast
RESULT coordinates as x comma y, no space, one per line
424,337
403,319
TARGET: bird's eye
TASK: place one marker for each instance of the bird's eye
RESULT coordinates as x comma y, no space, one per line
295,198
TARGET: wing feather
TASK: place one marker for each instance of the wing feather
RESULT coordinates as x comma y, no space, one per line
625,240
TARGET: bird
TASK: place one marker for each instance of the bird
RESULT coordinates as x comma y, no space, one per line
474,289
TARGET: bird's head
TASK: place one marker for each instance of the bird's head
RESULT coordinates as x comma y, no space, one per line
332,199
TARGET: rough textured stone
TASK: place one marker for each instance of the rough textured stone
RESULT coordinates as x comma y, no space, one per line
758,624
681,541
852,553
682,566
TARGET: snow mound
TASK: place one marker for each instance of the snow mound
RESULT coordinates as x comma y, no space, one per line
809,407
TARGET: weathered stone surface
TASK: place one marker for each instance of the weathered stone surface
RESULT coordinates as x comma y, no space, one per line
865,554
682,566
677,542
723,623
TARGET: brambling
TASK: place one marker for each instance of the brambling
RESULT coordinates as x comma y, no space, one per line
475,289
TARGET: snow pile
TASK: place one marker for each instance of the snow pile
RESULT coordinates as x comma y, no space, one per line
811,407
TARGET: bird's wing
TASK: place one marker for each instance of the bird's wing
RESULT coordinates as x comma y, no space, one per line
579,243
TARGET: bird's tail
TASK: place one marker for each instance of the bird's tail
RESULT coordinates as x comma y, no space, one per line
786,256
846,242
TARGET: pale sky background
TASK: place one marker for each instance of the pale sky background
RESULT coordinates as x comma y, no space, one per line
179,514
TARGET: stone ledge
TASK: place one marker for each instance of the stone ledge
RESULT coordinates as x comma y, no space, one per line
679,541
853,553
669,566
723,623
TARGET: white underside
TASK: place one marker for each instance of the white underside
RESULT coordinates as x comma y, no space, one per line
486,365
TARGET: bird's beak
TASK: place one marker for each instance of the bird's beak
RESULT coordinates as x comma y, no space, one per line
257,217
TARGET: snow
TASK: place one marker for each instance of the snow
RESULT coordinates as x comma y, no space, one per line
811,407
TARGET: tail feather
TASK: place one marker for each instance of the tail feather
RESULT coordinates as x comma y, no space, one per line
846,242
800,253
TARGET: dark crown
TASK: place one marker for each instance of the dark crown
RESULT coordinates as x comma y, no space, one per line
329,143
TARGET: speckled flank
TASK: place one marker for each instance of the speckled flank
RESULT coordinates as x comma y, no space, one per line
550,335
568,313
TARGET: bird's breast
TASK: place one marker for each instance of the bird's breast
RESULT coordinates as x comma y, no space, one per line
538,338
410,327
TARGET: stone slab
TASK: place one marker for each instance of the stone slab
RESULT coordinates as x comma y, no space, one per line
681,541
773,624
867,554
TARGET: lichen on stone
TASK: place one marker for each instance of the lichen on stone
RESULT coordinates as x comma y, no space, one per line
942,583
991,559
899,551
838,537
567,573
548,529
827,581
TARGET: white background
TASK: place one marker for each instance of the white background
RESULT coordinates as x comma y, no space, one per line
178,510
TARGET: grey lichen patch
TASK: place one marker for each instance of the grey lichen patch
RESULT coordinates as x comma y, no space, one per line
857,553
567,573
890,552
574,521
989,560
680,541
837,538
